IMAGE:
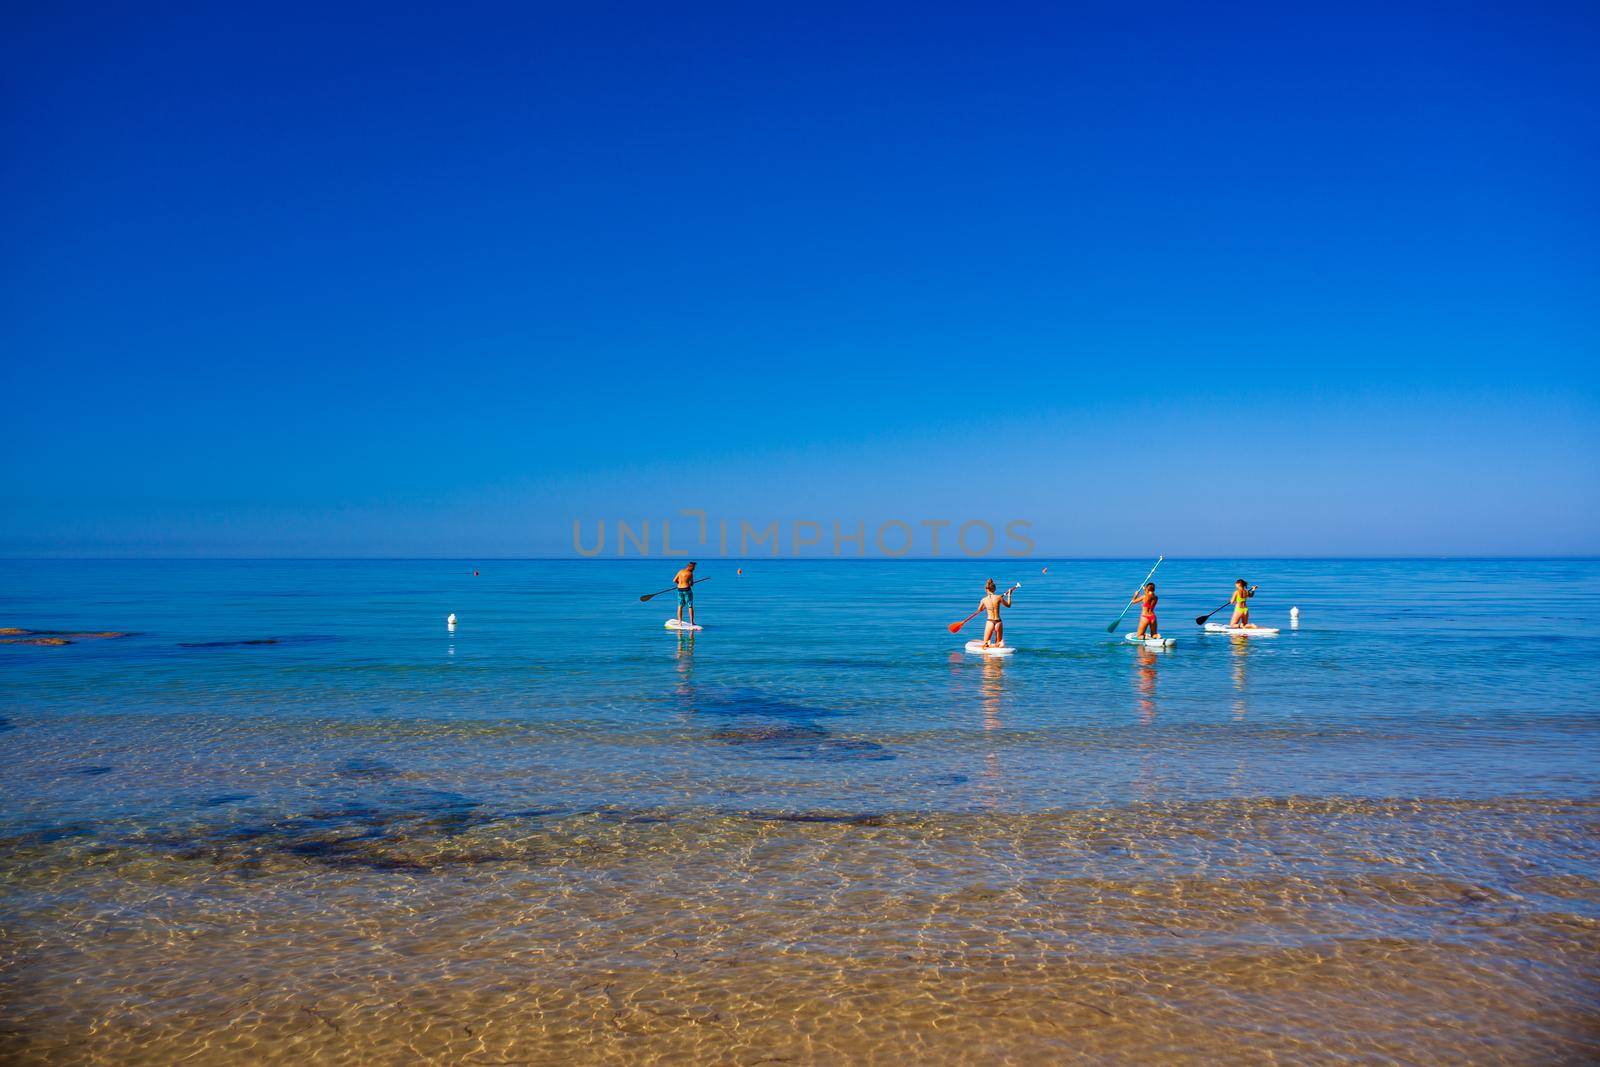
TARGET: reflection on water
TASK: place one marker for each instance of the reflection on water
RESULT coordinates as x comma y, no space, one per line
991,688
1241,663
1148,783
685,662
1146,685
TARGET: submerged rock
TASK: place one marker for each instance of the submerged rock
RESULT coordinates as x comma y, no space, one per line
14,635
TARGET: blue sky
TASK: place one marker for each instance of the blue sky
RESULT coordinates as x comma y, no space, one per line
1194,280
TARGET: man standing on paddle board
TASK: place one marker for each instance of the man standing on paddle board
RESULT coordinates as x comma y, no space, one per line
991,603
1146,599
1241,603
684,580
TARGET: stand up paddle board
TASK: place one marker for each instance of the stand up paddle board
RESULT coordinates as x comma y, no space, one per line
977,649
1150,642
1240,631
674,624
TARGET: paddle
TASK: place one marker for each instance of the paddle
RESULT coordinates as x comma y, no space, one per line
1200,620
672,589
1112,628
955,627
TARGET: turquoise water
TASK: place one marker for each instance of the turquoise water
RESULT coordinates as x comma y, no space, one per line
306,743
814,685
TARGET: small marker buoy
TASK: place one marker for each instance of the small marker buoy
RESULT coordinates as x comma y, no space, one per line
741,570
1045,571
450,621
474,574
1294,613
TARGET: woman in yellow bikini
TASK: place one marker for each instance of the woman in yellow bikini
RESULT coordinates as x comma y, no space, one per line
1241,603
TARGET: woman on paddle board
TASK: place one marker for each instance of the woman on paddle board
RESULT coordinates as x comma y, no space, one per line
994,631
684,580
1146,599
1241,603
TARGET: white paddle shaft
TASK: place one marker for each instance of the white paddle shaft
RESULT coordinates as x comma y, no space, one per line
1129,604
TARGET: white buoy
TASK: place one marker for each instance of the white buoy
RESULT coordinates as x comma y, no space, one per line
1294,618
450,621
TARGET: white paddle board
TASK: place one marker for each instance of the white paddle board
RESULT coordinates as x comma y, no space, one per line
1240,631
977,649
674,624
1150,642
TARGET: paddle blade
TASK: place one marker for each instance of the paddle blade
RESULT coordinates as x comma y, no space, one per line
1113,627
955,627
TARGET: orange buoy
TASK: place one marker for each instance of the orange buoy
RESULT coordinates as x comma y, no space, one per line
741,570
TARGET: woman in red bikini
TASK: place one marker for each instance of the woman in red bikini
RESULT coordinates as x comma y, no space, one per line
1146,599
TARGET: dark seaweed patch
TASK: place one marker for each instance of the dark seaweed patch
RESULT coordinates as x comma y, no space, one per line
225,798
948,779
833,750
789,732
6,724
376,834
45,835
92,772
864,819
768,733
301,639
352,813
450,813
349,852
366,768
756,704
628,818
805,741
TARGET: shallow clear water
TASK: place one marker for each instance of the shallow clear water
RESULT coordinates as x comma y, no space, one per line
816,831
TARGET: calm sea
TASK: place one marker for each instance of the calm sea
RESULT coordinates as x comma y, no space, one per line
290,814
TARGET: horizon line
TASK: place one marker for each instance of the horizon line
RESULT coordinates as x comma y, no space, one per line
1575,558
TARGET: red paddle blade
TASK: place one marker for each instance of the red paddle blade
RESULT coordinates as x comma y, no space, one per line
955,627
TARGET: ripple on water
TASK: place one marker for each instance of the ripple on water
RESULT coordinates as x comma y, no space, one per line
1116,933
395,845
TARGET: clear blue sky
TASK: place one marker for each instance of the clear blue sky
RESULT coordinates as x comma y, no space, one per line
1200,279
